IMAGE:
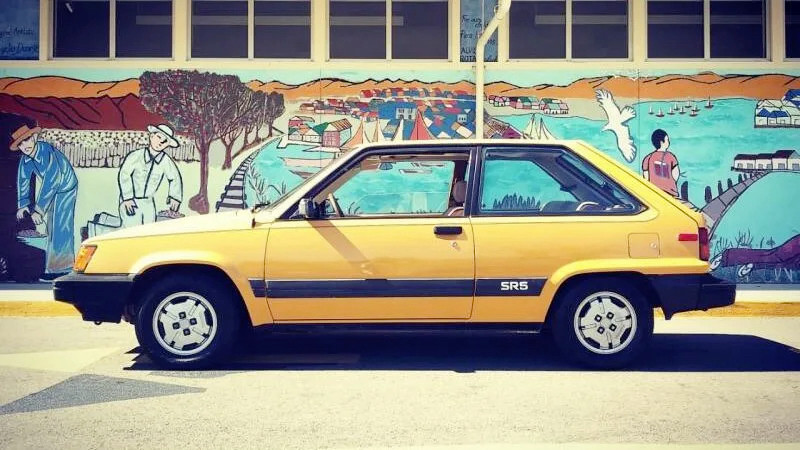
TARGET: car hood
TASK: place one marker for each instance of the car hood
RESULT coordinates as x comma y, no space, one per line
227,221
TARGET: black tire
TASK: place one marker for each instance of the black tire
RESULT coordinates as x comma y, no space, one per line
220,303
577,348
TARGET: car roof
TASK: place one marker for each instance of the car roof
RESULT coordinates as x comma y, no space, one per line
450,143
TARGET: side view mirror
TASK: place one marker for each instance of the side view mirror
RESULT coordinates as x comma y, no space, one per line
307,209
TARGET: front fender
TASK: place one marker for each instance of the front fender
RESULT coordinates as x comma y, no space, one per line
256,307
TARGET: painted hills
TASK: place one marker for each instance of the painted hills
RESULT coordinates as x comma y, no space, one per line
62,102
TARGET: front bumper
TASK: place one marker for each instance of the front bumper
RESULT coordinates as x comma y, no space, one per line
692,292
99,298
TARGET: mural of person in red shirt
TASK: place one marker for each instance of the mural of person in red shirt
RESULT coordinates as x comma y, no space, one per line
661,166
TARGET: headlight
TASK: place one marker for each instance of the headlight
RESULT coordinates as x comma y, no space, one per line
83,258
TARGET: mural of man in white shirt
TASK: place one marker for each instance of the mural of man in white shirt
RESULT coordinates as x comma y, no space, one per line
142,173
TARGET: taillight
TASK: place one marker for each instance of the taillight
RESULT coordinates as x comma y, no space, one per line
705,248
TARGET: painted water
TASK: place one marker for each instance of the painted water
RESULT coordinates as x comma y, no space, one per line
705,144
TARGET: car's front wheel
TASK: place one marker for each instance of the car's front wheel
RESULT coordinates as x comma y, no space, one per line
603,323
187,323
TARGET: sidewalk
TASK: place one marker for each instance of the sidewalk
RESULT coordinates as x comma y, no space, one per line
36,300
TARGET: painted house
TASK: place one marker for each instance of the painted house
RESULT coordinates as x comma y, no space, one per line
781,158
777,113
296,121
336,133
793,161
397,110
764,161
744,161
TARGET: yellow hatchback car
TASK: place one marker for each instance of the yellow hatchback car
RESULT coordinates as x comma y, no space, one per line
461,235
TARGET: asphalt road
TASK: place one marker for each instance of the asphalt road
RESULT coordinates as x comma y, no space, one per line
68,384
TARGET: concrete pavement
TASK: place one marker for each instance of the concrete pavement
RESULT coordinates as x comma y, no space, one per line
731,382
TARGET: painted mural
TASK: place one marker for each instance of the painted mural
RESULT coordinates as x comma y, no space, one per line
87,153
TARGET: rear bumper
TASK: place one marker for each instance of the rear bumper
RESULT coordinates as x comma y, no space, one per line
99,298
679,293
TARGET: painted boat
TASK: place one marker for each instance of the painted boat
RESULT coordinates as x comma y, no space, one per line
306,162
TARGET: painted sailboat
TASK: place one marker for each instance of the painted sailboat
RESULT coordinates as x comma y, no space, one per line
398,134
660,113
377,135
537,130
671,111
651,110
682,110
359,137
709,105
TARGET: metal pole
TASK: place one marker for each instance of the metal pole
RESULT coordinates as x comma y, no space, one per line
500,13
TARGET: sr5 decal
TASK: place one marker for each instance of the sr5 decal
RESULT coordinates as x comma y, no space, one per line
513,285
510,287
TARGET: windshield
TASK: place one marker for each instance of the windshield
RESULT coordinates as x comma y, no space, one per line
321,173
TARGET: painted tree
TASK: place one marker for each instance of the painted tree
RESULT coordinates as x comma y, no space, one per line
245,111
254,121
197,104
274,108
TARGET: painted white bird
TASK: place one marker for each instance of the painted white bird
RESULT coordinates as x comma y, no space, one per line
617,123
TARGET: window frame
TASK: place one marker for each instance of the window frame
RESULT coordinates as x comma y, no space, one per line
707,37
251,37
388,38
568,40
476,180
112,37
290,213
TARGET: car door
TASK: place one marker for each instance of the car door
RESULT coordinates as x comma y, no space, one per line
394,253
536,210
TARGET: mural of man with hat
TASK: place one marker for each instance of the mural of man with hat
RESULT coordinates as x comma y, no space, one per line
55,200
142,173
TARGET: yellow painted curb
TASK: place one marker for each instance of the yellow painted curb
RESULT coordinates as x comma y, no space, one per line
37,309
739,309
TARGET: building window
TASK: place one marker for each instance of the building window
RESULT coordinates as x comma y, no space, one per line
144,28
283,29
419,29
83,29
357,29
738,29
599,29
792,21
542,28
733,29
538,29
280,29
675,29
219,28
360,29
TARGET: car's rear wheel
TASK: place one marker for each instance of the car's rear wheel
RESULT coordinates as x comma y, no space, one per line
603,323
187,323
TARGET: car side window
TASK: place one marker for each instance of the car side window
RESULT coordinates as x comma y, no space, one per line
399,184
397,188
547,181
